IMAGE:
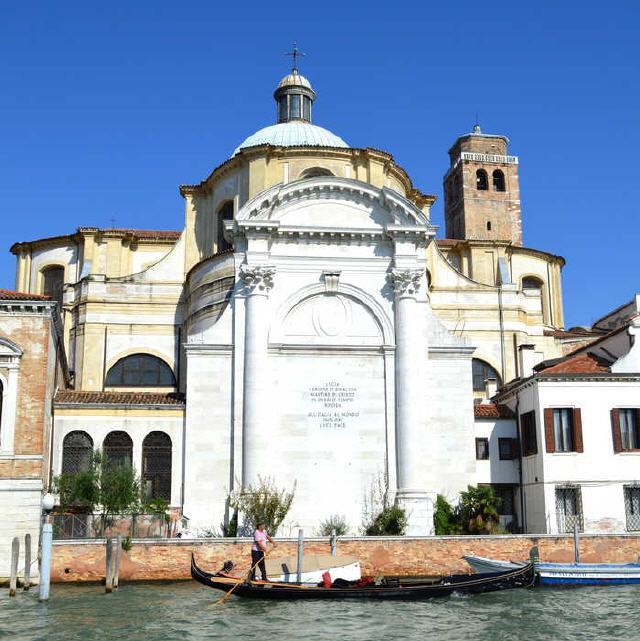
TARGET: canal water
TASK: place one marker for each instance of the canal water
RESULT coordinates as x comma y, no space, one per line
185,612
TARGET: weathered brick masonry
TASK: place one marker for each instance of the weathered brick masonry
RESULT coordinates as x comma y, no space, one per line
169,560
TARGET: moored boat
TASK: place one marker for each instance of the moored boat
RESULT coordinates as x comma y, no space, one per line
313,567
565,573
393,589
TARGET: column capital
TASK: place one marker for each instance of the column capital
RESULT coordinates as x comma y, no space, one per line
257,279
405,282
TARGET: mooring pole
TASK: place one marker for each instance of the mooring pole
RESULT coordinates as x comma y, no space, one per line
108,560
46,542
333,541
576,543
118,554
27,562
15,553
300,555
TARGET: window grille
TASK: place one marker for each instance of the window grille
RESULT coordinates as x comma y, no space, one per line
77,449
632,507
118,449
140,370
569,509
156,466
480,372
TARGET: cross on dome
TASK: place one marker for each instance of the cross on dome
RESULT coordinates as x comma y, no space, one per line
294,55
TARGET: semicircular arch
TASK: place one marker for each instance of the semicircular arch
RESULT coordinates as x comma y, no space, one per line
361,297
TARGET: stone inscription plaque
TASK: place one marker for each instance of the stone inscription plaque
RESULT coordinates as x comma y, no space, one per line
333,405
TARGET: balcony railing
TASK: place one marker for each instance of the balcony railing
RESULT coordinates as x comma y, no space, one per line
98,526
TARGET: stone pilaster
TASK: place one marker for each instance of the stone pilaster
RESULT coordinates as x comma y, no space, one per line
409,400
257,281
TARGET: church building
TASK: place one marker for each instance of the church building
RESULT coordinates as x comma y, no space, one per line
306,325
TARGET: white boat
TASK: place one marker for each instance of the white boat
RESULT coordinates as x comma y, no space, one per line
313,567
565,573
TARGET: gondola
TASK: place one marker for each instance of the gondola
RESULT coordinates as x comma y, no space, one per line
391,589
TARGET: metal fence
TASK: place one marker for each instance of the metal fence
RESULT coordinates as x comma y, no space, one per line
98,526
632,507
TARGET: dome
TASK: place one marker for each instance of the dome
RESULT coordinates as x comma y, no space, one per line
294,79
293,134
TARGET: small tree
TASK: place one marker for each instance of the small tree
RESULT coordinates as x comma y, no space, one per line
263,502
479,510
445,517
113,489
335,523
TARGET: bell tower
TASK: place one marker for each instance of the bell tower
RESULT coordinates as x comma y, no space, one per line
481,190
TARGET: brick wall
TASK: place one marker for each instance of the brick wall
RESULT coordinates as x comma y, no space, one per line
169,560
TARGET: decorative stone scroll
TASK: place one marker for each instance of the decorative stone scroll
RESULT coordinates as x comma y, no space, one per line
405,282
258,278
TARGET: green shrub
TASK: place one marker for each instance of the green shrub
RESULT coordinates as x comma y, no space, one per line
392,521
445,518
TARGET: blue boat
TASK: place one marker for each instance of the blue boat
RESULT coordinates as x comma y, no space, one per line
565,573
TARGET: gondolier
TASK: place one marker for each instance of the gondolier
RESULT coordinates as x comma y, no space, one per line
258,551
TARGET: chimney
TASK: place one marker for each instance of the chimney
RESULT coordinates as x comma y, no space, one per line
490,389
527,358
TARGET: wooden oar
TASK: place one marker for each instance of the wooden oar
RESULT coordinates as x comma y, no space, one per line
226,595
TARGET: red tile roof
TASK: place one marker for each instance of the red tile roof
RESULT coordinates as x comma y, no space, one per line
446,242
118,398
583,363
7,294
491,410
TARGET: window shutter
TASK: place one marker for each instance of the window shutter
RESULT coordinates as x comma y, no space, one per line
577,430
548,430
615,427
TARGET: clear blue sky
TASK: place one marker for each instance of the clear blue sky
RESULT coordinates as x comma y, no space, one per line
107,107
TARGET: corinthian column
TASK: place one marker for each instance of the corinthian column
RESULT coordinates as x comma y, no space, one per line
257,281
409,403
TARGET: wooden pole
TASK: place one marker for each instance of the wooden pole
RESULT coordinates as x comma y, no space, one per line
226,595
118,554
15,553
300,555
27,561
108,559
576,543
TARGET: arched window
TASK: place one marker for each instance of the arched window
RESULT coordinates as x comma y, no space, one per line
52,282
140,370
313,172
481,371
531,283
77,450
498,180
156,466
482,180
488,225
117,449
224,213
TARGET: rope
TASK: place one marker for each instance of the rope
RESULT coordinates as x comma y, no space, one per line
226,595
